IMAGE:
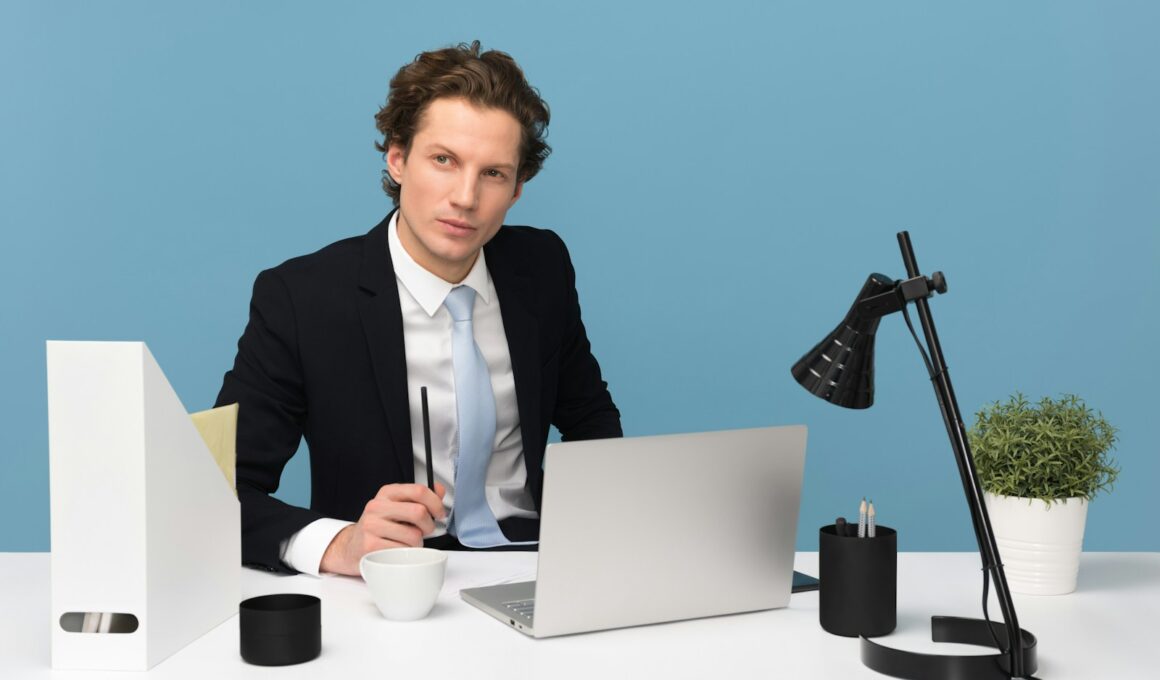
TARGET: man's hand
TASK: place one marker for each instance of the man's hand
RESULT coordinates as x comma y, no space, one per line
399,515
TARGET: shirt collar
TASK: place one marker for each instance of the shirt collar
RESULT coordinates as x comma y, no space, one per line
428,289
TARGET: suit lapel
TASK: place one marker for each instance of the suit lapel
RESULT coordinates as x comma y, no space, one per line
521,326
382,320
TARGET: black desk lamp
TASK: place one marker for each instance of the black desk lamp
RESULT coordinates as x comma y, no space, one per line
840,369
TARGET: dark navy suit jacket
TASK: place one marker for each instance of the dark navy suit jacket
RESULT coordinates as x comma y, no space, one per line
322,357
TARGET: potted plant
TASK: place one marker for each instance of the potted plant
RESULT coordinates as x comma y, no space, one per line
1040,465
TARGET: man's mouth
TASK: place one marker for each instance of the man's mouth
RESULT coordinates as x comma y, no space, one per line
457,226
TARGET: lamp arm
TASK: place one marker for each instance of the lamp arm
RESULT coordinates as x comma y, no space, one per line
948,404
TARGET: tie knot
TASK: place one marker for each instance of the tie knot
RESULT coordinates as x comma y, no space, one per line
460,302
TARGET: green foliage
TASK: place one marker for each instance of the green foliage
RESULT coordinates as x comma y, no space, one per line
1052,450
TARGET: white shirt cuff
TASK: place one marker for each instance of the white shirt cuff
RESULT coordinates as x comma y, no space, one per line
304,550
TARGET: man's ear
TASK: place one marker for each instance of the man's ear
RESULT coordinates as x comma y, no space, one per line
396,160
519,192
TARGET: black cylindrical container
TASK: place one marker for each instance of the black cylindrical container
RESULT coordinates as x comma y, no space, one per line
859,582
279,630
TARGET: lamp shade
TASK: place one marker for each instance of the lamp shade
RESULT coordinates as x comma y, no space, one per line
840,368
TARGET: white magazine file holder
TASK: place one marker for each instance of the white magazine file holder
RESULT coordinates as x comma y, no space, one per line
144,522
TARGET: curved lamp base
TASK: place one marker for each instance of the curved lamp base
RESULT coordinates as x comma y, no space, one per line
917,666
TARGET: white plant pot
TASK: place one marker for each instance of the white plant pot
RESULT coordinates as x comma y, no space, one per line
1039,545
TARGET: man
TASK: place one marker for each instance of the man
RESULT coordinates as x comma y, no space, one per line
341,342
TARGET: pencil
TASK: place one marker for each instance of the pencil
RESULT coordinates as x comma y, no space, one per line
862,519
427,440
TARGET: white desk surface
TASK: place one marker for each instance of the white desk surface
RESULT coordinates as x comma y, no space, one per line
1107,629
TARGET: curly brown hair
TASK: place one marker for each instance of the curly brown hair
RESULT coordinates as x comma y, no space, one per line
490,79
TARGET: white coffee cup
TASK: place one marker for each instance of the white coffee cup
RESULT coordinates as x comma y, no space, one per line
404,582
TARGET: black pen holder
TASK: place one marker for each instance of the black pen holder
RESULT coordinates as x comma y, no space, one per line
280,630
859,582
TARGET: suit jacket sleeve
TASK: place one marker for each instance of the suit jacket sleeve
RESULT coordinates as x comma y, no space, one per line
584,407
266,382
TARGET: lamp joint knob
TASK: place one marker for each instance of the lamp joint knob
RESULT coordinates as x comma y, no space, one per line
938,283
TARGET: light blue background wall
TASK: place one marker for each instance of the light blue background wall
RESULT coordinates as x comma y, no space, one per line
726,175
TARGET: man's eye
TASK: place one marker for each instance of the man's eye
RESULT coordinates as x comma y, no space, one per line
442,160
494,173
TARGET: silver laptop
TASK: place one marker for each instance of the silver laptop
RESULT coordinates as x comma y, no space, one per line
651,529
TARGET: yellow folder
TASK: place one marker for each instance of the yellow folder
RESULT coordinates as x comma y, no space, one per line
219,429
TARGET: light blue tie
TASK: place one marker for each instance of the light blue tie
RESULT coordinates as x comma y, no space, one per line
472,521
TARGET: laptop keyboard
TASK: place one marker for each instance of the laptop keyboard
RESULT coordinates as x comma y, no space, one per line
522,607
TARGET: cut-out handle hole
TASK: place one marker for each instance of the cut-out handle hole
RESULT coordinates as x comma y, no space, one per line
98,622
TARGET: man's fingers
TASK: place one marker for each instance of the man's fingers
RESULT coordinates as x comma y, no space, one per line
415,493
393,531
409,513
376,543
401,515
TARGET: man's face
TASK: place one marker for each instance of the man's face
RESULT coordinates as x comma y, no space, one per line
458,182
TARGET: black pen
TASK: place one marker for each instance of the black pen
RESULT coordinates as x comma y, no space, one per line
840,526
427,440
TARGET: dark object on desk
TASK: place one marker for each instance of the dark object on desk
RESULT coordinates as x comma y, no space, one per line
904,664
803,582
280,630
840,369
860,582
840,527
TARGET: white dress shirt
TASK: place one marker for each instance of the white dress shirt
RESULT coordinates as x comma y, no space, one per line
427,338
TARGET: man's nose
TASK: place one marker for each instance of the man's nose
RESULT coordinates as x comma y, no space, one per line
465,193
